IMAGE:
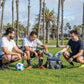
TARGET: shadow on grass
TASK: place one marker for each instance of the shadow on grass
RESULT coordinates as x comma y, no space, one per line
64,66
36,66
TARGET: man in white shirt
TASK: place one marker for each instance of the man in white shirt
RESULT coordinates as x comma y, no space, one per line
6,45
29,44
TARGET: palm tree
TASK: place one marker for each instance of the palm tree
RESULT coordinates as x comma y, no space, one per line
36,28
25,31
54,31
68,26
83,24
13,13
62,35
17,24
44,22
3,3
8,25
49,17
40,16
58,21
78,29
28,17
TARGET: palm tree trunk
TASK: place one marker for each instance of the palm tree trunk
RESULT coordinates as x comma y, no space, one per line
28,17
53,36
83,24
12,13
44,22
0,20
62,22
40,17
47,32
58,21
17,24
0,3
3,3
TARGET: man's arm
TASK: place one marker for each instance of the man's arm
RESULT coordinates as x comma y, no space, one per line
78,54
18,50
8,52
65,49
44,46
28,49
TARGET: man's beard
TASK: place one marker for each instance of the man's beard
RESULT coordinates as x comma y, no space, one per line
11,37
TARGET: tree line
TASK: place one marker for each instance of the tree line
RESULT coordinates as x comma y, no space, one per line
47,22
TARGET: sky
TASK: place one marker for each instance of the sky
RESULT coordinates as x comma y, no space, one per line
73,11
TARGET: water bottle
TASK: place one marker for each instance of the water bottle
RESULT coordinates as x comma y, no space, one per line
58,55
48,54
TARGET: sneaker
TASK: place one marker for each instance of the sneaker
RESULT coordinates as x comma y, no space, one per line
1,68
81,66
29,67
6,66
42,67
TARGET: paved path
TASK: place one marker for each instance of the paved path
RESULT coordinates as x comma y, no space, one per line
51,45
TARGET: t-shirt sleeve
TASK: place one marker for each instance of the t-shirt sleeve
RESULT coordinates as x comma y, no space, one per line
14,45
39,42
69,42
81,46
3,43
24,43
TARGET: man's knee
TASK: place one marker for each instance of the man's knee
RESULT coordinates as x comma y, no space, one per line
27,52
6,58
16,58
66,54
79,59
27,56
40,51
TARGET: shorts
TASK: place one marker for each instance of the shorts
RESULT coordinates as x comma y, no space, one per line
1,56
75,59
32,55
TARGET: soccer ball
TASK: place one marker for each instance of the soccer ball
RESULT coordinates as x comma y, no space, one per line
19,66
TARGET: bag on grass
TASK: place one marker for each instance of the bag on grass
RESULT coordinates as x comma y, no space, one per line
54,63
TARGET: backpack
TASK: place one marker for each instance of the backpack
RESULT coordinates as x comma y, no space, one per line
54,63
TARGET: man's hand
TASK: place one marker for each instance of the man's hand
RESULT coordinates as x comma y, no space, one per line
40,52
70,60
19,55
24,54
36,54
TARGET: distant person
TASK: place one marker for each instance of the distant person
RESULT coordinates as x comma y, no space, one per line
7,44
77,49
30,44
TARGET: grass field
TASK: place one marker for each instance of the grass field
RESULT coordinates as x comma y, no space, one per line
52,42
37,76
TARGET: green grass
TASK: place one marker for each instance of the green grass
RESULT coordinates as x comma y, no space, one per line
48,76
51,42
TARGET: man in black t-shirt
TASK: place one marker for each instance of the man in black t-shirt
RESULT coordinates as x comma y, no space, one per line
77,48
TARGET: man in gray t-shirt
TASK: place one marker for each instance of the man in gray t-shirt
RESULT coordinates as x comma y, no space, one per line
29,44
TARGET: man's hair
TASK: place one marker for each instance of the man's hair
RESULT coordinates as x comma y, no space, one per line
9,30
74,31
32,33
